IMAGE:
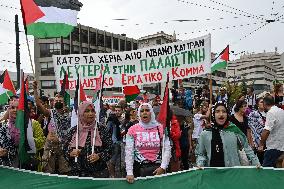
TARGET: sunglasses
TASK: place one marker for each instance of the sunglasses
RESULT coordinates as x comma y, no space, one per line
144,110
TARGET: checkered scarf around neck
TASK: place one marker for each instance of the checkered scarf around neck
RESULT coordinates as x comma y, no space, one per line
213,119
153,123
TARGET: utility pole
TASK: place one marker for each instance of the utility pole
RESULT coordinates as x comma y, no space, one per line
18,61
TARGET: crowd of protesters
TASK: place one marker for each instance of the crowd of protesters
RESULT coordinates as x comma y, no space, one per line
128,141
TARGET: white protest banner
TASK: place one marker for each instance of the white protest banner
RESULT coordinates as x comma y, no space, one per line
180,60
112,99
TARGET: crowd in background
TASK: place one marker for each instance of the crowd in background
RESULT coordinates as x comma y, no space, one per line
128,141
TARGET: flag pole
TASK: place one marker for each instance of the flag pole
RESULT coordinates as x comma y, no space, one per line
99,99
164,135
211,92
29,50
77,132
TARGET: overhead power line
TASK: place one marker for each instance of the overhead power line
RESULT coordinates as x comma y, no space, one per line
9,61
4,20
222,10
9,43
222,28
10,7
249,34
237,9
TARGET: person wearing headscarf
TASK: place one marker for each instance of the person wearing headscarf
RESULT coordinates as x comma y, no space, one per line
219,145
89,164
144,146
9,137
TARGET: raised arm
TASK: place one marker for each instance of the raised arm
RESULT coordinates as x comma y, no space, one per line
39,105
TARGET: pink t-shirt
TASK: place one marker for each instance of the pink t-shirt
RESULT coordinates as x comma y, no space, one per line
147,141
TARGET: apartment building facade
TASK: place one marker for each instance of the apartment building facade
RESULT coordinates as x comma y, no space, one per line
83,40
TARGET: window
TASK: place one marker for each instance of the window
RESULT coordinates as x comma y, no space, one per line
158,41
75,34
122,45
47,69
49,49
66,49
101,40
93,50
84,36
108,42
45,84
75,49
84,50
135,46
128,45
93,38
115,44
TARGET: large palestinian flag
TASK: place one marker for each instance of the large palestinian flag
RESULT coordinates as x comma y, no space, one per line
221,61
22,123
50,18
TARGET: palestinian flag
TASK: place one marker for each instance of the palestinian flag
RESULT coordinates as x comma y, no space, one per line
98,97
6,88
131,92
221,61
7,82
50,18
79,94
4,95
99,85
164,114
64,87
22,121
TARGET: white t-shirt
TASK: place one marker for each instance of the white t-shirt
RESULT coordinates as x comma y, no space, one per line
275,124
197,121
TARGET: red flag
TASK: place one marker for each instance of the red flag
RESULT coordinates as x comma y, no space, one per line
82,93
163,116
8,84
